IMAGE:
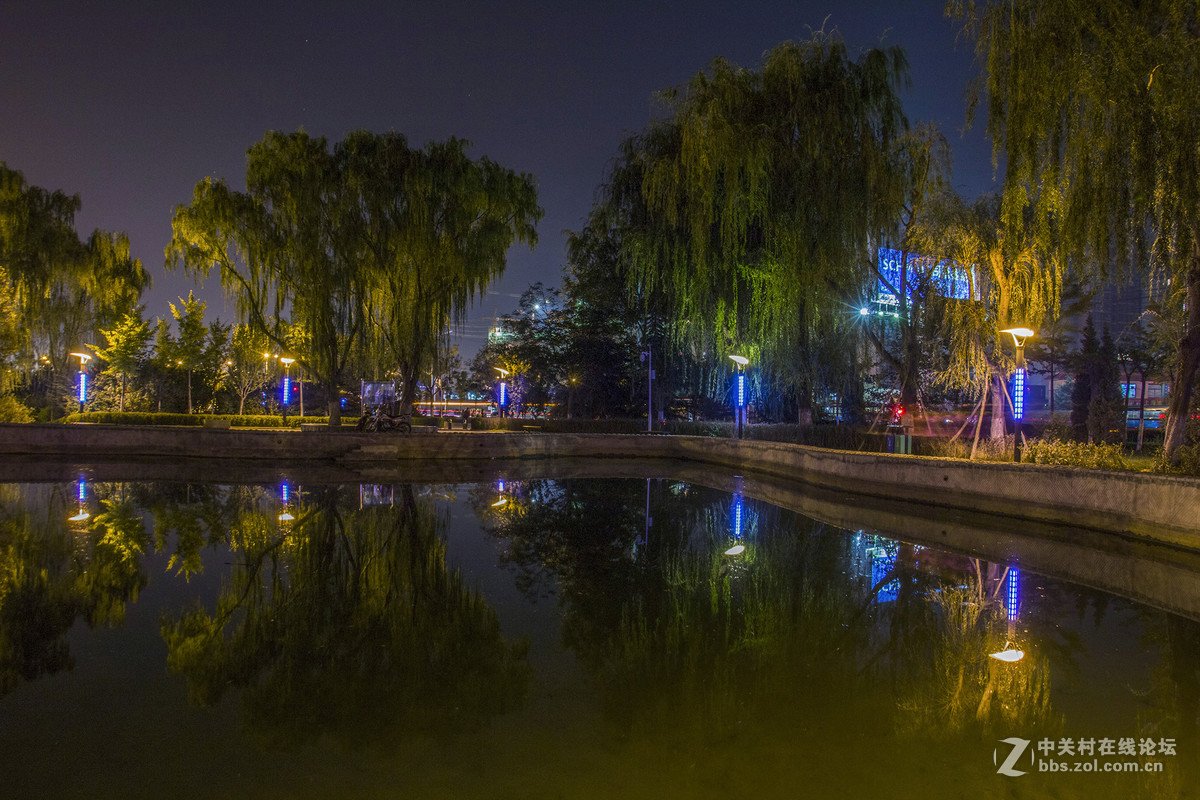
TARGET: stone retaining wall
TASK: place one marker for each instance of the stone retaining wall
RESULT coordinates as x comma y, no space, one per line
1159,507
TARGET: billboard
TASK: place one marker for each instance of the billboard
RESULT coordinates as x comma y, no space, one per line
943,277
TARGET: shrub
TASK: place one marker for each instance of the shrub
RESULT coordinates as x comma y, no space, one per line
13,410
1075,454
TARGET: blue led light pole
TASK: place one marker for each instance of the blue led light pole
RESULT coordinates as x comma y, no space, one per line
1019,336
287,383
502,390
739,394
83,359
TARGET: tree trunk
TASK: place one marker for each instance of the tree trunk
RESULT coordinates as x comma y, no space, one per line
1184,373
121,406
189,390
335,403
998,413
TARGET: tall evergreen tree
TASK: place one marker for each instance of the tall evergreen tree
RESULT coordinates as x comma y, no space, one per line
1086,377
126,349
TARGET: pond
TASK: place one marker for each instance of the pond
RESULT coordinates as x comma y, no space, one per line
542,636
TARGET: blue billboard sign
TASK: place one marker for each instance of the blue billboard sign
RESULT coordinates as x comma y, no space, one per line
943,277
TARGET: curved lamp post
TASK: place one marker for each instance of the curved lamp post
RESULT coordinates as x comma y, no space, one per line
287,383
1019,335
739,394
502,390
83,359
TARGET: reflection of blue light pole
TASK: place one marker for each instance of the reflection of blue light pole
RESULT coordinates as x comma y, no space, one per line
83,359
83,513
284,515
1012,596
1019,336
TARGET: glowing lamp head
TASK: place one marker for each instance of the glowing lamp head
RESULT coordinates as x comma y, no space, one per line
741,361
1019,335
736,550
1011,656
864,312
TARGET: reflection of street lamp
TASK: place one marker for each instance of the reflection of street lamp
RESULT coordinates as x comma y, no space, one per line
740,393
83,359
1019,336
285,515
502,390
83,513
287,383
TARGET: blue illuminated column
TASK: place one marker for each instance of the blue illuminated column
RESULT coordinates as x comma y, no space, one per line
739,394
502,390
1018,394
287,383
1019,336
83,359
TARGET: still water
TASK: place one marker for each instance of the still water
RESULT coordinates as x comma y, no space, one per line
565,638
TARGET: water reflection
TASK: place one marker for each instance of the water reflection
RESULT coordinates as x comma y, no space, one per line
741,624
849,663
60,563
347,622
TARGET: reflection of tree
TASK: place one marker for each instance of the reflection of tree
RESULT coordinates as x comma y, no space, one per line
962,687
682,639
53,571
347,624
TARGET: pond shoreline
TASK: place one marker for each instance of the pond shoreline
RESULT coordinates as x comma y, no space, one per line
1159,508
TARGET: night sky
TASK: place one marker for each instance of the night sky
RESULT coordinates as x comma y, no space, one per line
129,105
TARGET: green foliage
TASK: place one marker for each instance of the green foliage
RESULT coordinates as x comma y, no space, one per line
56,290
1075,454
13,410
372,247
1091,108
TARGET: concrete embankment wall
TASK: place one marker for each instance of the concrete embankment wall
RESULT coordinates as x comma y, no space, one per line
1161,508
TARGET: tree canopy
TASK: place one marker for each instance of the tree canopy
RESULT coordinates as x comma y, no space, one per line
1091,105
371,242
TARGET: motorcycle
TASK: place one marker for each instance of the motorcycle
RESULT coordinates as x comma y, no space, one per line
383,422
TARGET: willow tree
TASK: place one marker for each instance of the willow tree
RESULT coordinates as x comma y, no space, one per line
433,228
769,187
60,288
1092,102
369,241
1011,282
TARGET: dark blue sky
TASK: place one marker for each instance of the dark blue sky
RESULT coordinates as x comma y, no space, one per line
130,104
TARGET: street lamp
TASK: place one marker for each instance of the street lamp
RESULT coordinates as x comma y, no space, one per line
1019,335
287,383
502,390
83,359
740,393
648,357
